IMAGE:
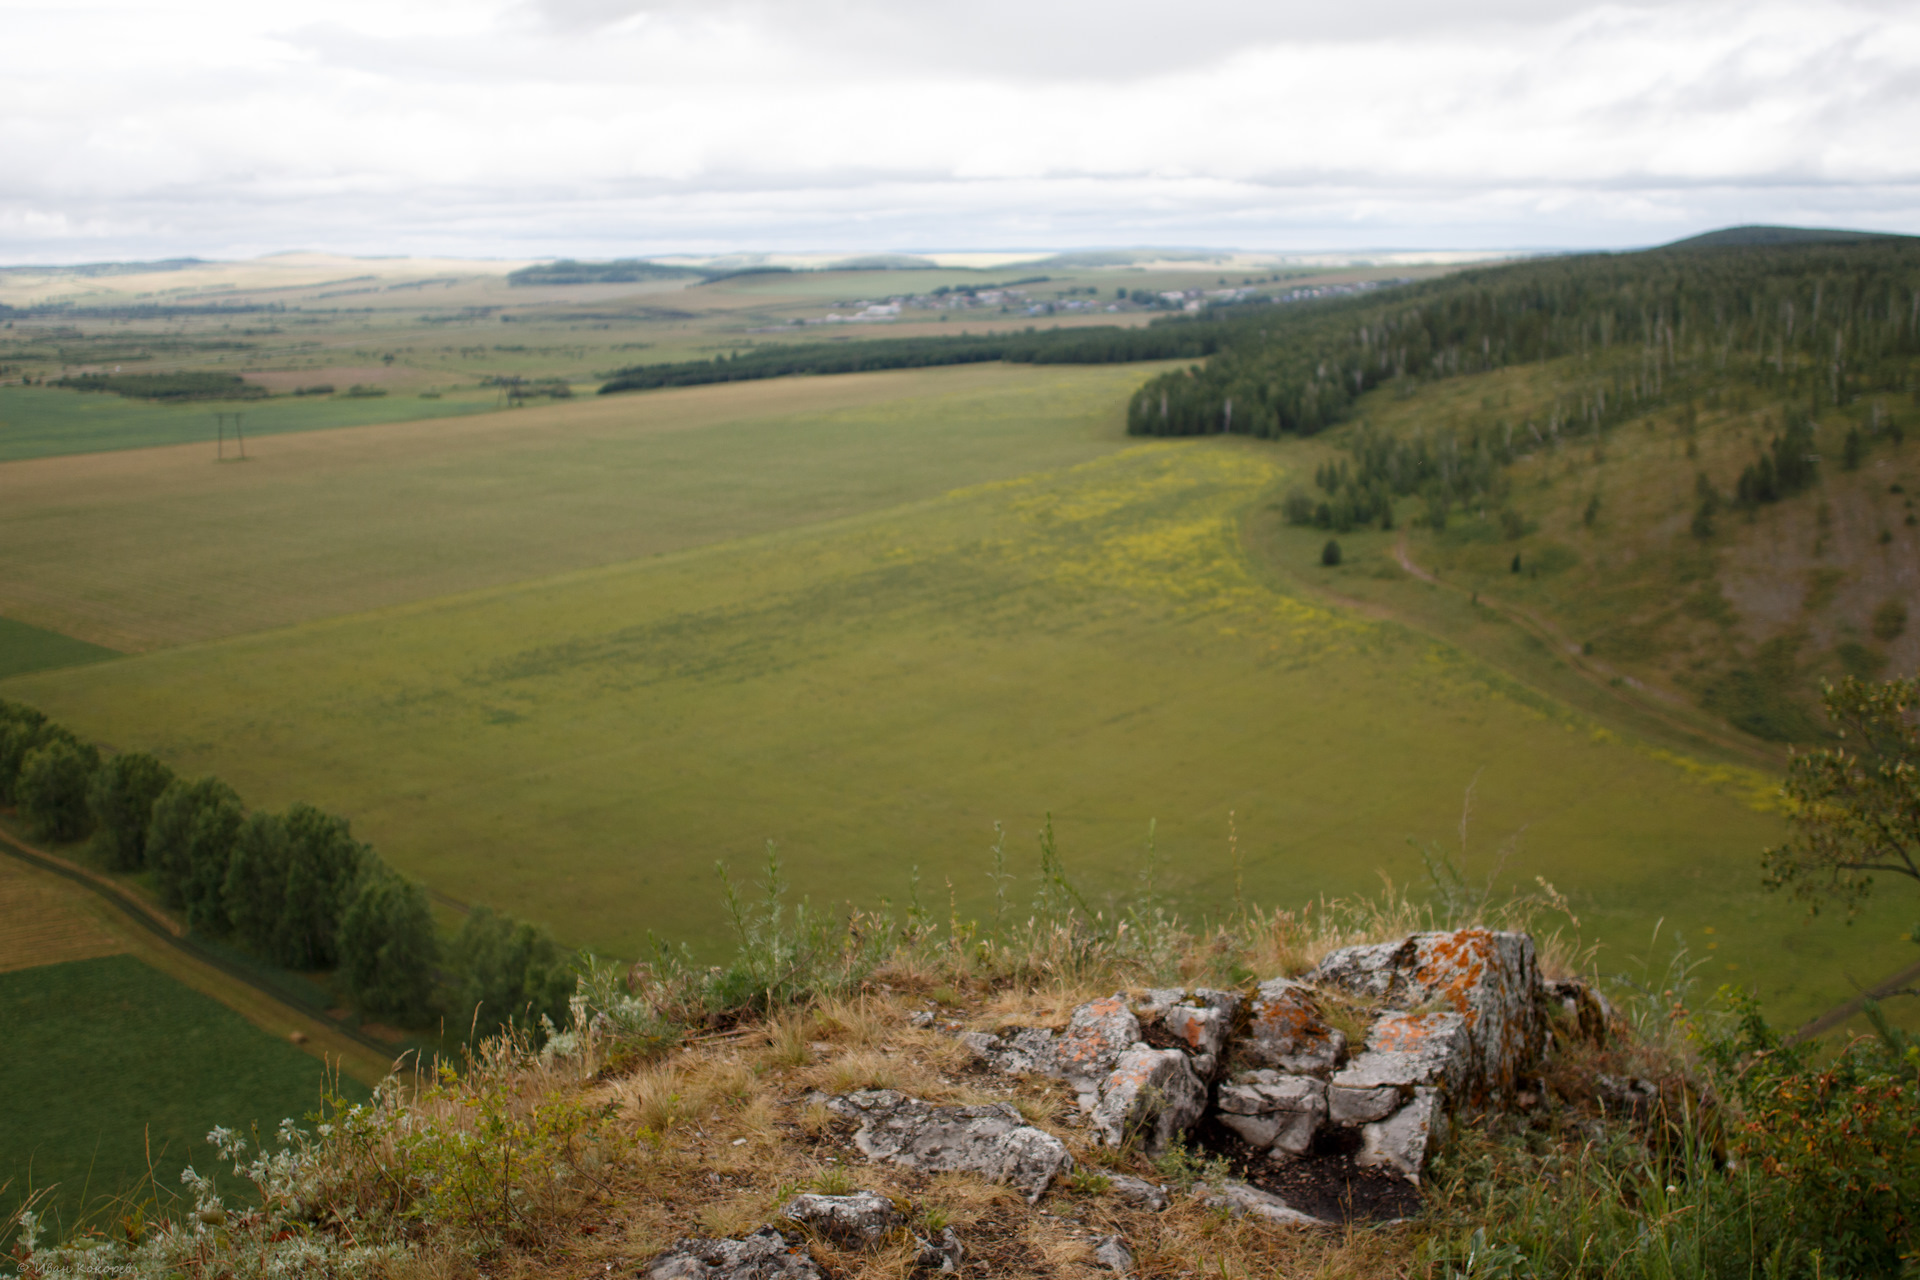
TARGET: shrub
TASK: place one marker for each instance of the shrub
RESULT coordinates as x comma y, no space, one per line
121,799
1330,554
508,972
52,788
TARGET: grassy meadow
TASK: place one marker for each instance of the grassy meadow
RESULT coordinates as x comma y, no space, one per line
140,550
113,1074
1091,640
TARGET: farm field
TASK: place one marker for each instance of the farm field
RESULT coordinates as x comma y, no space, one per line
40,422
150,548
114,1072
1090,639
26,648
43,921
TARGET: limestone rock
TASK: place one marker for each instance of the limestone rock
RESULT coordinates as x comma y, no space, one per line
1403,1141
1288,1029
1408,1049
1022,1051
943,1255
1152,1093
1112,1253
1490,979
1271,1110
1137,1192
1239,1200
1097,1034
764,1255
862,1220
989,1140
1350,1105
1199,1020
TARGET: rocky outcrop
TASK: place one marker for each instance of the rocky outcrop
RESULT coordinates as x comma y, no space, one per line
764,1255
1490,980
1450,1018
992,1141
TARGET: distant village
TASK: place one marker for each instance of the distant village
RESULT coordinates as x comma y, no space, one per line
1017,299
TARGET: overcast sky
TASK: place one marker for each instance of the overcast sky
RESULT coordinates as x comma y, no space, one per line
512,128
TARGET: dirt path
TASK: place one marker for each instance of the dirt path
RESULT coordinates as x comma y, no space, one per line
161,928
1841,1012
1645,699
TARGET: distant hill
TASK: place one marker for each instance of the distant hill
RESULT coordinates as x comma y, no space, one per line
1740,237
622,271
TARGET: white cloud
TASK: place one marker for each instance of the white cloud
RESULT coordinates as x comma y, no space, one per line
610,126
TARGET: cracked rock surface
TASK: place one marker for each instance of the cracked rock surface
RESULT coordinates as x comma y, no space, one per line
764,1255
990,1140
862,1220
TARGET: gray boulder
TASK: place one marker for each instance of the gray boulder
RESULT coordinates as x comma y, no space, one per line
1152,1094
862,1220
764,1255
992,1141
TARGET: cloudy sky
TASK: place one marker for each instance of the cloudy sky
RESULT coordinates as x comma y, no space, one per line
508,128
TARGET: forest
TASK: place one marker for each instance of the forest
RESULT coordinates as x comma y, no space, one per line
1815,323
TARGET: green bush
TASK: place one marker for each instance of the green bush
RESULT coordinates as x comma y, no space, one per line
52,788
1838,1142
121,798
508,972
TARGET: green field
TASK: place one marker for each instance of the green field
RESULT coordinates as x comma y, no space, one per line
1092,641
44,422
134,551
25,648
114,1072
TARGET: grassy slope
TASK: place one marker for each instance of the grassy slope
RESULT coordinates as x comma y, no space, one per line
874,693
1663,613
110,1063
136,550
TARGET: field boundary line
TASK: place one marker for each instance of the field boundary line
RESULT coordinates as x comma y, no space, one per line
175,936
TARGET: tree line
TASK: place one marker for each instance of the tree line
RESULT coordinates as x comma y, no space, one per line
184,385
294,888
1103,344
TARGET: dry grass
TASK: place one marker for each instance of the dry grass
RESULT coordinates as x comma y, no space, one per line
727,1135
